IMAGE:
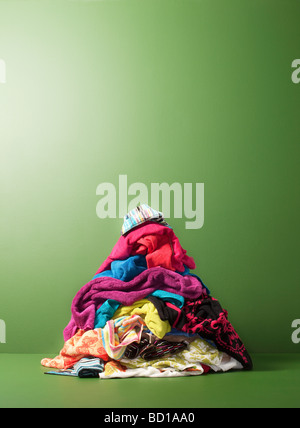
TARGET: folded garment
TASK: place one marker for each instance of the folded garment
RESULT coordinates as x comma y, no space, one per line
148,312
84,368
140,215
96,292
156,252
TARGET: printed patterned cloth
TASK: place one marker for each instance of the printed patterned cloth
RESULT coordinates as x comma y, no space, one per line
199,351
207,318
140,215
121,332
145,284
151,351
116,372
106,343
82,344
199,358
85,368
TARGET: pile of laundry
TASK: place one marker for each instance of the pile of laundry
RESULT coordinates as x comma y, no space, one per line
145,314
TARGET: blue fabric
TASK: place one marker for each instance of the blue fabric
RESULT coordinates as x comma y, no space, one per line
105,312
109,307
125,270
84,368
176,332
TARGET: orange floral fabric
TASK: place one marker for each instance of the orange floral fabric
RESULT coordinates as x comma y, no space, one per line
82,344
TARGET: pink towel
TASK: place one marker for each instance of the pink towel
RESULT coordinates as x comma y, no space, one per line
96,292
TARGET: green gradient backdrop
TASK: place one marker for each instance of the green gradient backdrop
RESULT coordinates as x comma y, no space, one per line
163,91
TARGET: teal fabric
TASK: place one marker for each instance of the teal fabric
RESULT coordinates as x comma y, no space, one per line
176,299
106,312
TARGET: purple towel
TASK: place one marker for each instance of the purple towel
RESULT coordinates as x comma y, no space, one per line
96,292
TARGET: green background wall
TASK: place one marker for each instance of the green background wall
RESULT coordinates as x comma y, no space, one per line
195,91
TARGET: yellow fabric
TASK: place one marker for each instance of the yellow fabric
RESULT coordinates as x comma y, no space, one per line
148,312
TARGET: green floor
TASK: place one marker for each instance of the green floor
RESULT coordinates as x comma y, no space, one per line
274,382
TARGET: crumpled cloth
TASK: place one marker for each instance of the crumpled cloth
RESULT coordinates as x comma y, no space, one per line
84,368
121,332
158,242
106,343
198,358
96,292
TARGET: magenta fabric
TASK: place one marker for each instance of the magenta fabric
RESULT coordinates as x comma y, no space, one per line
96,292
124,247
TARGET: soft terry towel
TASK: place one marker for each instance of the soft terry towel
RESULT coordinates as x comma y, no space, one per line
97,291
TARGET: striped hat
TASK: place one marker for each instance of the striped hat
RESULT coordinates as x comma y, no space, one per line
141,214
